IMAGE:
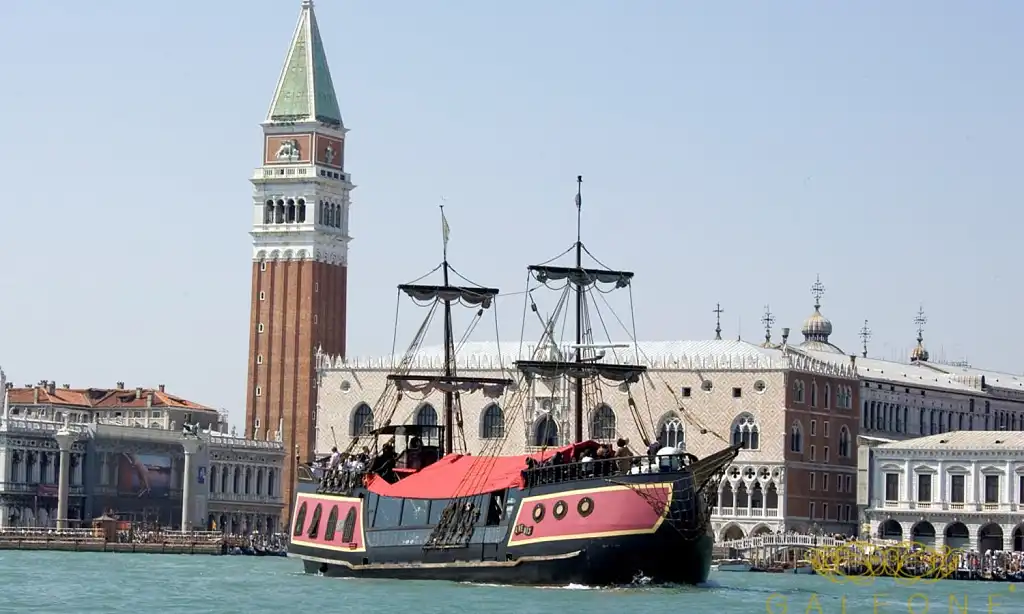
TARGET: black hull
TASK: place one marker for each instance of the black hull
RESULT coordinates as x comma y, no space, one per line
601,564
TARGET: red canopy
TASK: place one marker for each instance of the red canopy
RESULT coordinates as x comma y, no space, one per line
458,475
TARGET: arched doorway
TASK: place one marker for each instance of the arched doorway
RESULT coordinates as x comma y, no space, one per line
726,500
923,533
1018,538
890,529
957,536
760,530
732,532
990,537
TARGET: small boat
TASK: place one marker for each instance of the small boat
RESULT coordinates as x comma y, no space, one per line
732,565
803,567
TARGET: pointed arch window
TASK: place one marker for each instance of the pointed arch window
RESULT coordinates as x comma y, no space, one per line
362,420
814,394
492,422
426,415
798,391
745,432
844,442
545,433
828,397
796,437
671,433
602,423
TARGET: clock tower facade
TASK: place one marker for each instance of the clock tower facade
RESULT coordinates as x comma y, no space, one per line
300,237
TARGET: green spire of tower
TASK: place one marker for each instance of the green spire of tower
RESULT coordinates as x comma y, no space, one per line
305,91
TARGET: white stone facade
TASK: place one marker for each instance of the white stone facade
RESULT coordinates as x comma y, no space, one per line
962,490
244,484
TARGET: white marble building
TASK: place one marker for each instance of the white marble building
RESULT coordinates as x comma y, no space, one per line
963,489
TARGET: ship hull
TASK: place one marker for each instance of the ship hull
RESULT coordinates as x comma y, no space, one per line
589,532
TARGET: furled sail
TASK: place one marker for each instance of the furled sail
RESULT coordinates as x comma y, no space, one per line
492,387
579,370
476,297
581,276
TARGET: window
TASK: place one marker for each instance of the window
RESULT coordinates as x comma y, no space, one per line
813,455
737,393
811,480
798,391
828,401
602,423
745,432
924,488
811,512
415,512
672,434
155,413
362,420
316,286
300,520
1020,489
814,394
826,454
259,391
315,319
389,513
825,426
892,487
814,428
844,442
259,359
796,442
957,488
707,386
848,483
824,511
263,266
847,513
263,295
686,392
991,489
824,481
493,424
259,327
332,524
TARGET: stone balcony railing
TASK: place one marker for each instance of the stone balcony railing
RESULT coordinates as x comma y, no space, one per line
41,427
21,488
237,442
215,497
946,506
748,512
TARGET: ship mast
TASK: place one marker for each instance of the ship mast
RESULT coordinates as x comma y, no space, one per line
579,308
580,280
449,349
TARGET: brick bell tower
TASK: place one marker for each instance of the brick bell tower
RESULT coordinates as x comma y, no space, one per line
300,249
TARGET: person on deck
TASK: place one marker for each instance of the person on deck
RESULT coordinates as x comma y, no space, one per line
623,455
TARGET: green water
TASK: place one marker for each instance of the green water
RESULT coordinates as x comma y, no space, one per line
88,583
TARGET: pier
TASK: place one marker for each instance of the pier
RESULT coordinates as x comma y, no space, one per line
99,540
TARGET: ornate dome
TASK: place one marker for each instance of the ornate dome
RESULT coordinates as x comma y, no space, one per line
817,327
919,353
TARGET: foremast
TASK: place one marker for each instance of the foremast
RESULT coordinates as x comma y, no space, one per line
585,364
449,382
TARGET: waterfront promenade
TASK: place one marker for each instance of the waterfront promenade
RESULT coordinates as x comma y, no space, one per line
98,540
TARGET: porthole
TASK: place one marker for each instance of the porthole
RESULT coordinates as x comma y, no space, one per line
300,520
346,386
560,510
538,512
706,385
760,386
585,507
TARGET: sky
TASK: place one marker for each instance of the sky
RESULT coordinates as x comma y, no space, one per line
731,152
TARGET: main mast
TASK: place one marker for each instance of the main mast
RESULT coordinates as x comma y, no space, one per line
586,362
449,349
578,413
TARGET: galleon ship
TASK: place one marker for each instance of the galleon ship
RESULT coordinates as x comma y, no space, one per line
415,507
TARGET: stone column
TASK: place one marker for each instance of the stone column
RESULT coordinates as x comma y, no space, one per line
64,440
191,446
